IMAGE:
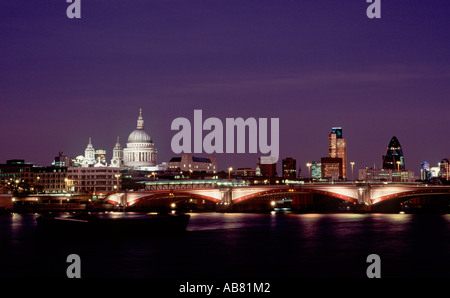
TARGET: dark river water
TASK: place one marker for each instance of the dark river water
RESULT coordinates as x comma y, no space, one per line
237,245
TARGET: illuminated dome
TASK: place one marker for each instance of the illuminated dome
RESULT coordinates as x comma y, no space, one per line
140,151
139,136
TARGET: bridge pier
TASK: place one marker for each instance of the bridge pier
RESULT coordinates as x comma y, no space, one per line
123,202
226,199
364,198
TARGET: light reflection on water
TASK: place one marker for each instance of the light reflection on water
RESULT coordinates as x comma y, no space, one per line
259,245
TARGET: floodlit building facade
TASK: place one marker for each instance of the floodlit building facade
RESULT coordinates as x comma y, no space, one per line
337,148
188,162
332,168
140,151
93,179
386,175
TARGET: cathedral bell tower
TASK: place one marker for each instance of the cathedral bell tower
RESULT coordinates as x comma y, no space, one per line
117,160
89,155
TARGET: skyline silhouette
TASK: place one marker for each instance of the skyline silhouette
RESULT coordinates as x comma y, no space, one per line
313,65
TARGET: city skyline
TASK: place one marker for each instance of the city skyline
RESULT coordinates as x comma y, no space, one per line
314,66
334,131
120,122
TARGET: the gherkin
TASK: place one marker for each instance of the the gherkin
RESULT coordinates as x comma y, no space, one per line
394,155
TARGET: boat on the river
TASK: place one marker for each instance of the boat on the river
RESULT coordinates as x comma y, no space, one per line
84,224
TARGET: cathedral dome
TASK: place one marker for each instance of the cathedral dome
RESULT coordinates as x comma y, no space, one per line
139,136
140,151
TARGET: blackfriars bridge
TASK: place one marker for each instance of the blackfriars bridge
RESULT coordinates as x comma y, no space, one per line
226,194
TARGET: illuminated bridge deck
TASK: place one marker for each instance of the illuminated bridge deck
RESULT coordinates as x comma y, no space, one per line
230,192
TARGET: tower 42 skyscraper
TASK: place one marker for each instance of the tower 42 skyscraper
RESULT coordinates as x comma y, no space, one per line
337,148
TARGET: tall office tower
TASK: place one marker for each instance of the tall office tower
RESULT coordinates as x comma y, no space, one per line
425,171
316,170
444,166
289,168
394,159
337,148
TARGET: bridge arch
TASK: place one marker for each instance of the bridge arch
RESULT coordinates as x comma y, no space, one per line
406,195
330,194
263,193
293,191
171,195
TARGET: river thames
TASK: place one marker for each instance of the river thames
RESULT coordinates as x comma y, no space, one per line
241,245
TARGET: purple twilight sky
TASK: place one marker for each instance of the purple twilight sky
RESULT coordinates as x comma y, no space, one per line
312,64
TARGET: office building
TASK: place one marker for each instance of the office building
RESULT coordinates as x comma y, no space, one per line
17,171
289,168
394,158
267,166
29,178
93,179
386,175
50,179
243,172
316,170
337,148
190,163
61,160
444,167
425,171
332,168
375,175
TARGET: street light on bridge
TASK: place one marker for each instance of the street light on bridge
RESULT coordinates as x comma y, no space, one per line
229,172
116,187
309,171
352,163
